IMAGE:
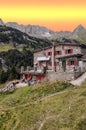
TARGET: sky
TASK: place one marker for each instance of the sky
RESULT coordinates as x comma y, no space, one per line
57,15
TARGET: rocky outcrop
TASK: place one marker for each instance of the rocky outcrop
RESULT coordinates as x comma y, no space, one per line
31,29
1,22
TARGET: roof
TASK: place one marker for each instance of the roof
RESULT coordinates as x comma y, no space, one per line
58,44
43,58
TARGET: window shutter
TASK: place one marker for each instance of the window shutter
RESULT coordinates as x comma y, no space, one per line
60,52
39,63
71,51
55,53
68,63
66,51
46,63
75,62
50,53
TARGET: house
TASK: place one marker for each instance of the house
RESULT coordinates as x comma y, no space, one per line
63,61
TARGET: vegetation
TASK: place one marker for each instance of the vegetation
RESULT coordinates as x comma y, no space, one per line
9,35
13,52
50,106
14,59
5,47
9,75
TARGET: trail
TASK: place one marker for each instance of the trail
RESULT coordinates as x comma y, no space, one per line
79,80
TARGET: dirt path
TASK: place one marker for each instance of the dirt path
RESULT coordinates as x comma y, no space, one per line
80,80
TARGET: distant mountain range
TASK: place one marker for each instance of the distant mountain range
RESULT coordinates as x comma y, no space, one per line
29,29
78,35
16,37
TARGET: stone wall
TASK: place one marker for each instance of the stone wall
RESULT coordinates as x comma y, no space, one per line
84,63
63,76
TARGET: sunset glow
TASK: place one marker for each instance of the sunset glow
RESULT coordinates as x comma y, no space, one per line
54,14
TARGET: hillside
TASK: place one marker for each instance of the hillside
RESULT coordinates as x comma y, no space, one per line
15,37
50,106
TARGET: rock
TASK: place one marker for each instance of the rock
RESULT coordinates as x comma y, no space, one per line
1,22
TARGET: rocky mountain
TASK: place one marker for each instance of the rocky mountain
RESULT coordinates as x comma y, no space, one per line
11,35
1,22
31,29
78,29
78,35
34,30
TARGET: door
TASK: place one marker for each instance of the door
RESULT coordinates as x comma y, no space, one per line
64,65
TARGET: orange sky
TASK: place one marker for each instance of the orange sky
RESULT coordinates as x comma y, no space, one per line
54,14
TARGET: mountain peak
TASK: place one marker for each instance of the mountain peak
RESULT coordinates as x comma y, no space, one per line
1,22
78,28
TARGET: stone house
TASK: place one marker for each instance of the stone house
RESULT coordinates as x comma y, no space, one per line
63,61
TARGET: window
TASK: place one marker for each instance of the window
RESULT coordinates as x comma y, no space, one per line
49,53
58,52
72,62
69,51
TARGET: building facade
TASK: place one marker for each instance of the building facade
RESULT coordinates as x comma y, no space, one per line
62,61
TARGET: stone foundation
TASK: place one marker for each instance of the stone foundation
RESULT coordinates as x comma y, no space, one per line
62,76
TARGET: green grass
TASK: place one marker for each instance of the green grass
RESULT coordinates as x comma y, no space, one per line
5,47
26,108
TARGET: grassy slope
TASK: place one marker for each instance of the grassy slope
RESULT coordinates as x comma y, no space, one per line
26,108
6,47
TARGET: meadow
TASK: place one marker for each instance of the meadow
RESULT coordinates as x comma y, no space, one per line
48,106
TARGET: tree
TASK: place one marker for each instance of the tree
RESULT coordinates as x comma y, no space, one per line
3,76
13,74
